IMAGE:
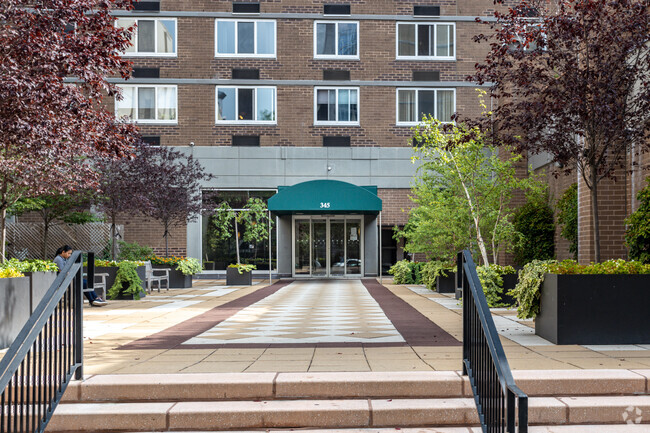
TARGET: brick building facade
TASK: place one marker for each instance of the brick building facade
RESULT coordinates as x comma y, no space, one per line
257,90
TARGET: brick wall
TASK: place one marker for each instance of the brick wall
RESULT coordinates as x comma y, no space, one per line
150,233
396,204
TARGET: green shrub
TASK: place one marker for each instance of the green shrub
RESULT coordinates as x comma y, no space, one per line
430,272
402,272
567,217
637,236
30,265
133,251
127,281
416,271
534,220
531,278
491,277
190,266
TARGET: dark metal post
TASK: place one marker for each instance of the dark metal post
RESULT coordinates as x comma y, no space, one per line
91,270
78,287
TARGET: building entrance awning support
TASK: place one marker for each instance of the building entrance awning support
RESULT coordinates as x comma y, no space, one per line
325,197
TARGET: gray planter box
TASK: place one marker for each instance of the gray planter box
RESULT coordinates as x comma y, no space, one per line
39,284
112,273
234,278
177,280
594,309
14,308
446,284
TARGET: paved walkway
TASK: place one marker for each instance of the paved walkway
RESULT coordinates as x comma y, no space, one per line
342,325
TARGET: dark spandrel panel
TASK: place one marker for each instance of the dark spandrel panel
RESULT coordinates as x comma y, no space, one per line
246,74
245,140
336,141
246,8
152,140
426,75
336,9
330,74
146,72
147,5
429,11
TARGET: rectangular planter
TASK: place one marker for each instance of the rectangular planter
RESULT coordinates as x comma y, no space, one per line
39,284
446,284
234,278
177,280
112,273
594,309
14,308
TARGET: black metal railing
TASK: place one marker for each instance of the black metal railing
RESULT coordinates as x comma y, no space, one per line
45,355
502,406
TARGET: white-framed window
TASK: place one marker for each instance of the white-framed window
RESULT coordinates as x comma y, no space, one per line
336,106
243,104
426,41
336,40
413,104
245,38
536,29
148,103
152,37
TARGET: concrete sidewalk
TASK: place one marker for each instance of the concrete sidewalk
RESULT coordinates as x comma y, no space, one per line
124,322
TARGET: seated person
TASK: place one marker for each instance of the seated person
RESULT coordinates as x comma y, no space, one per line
62,256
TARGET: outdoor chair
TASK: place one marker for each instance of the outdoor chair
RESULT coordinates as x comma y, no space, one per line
99,285
152,278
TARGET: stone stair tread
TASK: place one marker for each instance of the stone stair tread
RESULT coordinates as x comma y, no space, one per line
355,413
223,386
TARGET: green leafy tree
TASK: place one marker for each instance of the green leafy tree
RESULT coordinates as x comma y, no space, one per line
56,209
226,221
637,236
466,188
567,217
534,220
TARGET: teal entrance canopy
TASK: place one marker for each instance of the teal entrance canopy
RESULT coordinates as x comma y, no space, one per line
325,197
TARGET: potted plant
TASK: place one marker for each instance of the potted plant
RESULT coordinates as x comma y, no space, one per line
208,265
41,274
239,275
128,284
226,222
14,302
181,269
602,303
112,267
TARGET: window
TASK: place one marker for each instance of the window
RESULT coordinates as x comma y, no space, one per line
336,39
337,106
528,35
246,105
245,38
152,37
426,41
148,104
412,104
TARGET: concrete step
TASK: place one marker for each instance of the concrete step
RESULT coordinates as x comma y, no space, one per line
346,414
336,385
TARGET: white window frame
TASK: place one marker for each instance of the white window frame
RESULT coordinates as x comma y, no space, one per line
245,122
150,121
337,122
336,42
531,22
255,21
417,100
134,40
428,23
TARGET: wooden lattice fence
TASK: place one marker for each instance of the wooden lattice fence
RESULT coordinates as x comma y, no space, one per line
25,240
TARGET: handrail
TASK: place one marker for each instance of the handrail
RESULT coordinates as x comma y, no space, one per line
500,403
36,370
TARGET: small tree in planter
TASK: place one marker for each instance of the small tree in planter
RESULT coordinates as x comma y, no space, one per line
226,221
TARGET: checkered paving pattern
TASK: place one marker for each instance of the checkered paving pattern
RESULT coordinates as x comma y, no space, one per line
337,311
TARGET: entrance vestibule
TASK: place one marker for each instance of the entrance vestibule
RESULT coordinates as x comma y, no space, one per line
328,246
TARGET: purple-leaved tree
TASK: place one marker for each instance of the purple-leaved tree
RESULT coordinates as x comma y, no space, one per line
51,128
572,78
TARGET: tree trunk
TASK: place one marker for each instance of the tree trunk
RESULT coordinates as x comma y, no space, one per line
594,213
46,231
3,236
166,236
113,234
237,239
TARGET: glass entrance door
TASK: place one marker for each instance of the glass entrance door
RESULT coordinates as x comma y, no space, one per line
327,246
